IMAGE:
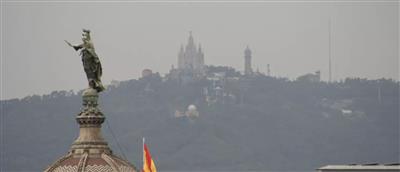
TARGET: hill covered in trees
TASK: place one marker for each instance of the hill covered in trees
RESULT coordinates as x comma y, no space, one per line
244,123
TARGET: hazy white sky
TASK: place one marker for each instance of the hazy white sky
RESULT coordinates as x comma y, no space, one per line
130,36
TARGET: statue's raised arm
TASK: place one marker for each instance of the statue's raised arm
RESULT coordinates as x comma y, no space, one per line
91,62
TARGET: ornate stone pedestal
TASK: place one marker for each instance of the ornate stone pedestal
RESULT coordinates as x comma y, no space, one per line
90,119
90,152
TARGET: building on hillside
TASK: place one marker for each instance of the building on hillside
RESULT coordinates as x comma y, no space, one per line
90,151
310,77
219,91
146,73
192,112
361,168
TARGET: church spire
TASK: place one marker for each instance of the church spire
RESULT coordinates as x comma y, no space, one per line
181,57
200,48
190,40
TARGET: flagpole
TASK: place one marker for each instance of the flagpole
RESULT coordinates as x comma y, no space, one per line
143,152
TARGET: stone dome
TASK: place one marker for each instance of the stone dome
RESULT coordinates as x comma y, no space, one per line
90,152
91,163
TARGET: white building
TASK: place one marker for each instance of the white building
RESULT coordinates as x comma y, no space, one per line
361,168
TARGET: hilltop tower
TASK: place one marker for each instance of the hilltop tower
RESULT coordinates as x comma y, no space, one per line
247,61
90,152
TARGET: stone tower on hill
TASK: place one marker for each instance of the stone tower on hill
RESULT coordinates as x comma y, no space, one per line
90,152
247,61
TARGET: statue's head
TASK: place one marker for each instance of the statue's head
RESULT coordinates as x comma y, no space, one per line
85,35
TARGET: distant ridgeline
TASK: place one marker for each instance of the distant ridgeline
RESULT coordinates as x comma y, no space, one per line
221,121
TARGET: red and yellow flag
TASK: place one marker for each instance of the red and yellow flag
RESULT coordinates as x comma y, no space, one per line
148,163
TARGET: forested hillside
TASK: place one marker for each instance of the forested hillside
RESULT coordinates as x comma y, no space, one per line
261,123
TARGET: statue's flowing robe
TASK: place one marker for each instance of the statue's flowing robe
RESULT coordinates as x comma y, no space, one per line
92,66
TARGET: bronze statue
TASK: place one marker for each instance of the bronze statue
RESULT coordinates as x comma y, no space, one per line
91,62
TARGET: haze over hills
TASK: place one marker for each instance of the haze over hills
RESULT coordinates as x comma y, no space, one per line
252,122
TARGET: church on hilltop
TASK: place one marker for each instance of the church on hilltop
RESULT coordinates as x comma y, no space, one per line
191,66
191,58
190,62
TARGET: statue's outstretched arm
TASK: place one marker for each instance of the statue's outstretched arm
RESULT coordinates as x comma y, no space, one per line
68,43
76,47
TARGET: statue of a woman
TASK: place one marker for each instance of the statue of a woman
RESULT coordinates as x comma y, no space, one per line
91,62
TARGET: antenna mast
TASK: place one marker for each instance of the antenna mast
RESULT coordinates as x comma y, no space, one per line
330,58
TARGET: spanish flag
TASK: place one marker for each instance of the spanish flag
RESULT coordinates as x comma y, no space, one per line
148,163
